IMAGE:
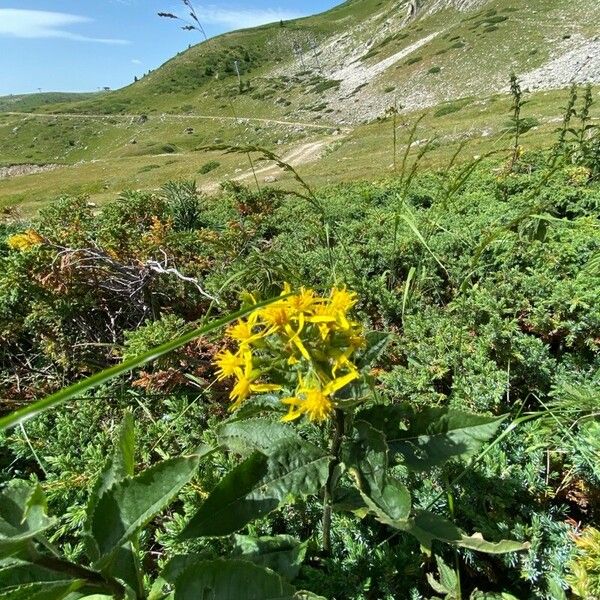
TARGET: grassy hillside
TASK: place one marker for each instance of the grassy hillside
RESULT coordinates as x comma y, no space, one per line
33,102
122,153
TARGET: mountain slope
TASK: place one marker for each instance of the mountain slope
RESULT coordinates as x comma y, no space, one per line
321,82
352,62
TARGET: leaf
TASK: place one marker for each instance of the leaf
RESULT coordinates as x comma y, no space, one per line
119,466
232,504
368,456
66,394
387,497
476,542
447,574
259,485
231,580
22,515
427,526
429,437
56,590
477,595
377,342
132,503
242,436
282,553
124,565
20,572
174,567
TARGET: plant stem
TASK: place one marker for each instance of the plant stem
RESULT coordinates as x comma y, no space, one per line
336,446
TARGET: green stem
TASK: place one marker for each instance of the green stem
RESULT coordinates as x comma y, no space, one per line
456,555
336,446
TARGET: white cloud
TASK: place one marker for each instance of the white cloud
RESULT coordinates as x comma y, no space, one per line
136,61
35,24
239,19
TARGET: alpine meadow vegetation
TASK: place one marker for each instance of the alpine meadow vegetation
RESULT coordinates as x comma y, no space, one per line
367,391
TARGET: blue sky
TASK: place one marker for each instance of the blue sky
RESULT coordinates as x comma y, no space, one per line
81,45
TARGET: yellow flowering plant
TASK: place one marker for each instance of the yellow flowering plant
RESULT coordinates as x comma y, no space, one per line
25,241
303,343
312,360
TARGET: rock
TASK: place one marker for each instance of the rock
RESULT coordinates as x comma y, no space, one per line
271,179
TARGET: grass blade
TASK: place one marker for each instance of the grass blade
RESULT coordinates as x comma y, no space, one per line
66,394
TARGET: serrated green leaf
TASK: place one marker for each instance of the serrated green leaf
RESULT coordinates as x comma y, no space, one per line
367,461
427,527
171,571
447,574
477,595
367,455
131,503
476,542
231,580
244,436
20,572
56,590
118,466
437,586
377,342
232,505
259,485
282,553
22,515
429,437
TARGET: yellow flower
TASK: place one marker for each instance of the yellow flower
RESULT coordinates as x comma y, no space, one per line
341,300
25,241
303,302
245,384
243,331
276,316
324,319
228,363
315,402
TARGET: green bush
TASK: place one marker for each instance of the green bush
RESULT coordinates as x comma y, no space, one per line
209,166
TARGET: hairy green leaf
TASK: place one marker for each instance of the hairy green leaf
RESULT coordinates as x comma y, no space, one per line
377,342
20,572
282,553
231,580
131,503
429,437
118,466
259,434
48,590
257,486
22,515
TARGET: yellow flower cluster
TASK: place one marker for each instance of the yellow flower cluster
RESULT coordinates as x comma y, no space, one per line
305,334
24,241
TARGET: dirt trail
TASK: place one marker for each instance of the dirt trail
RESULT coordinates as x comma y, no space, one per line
301,155
167,117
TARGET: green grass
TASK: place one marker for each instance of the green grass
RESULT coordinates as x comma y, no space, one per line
32,102
141,166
